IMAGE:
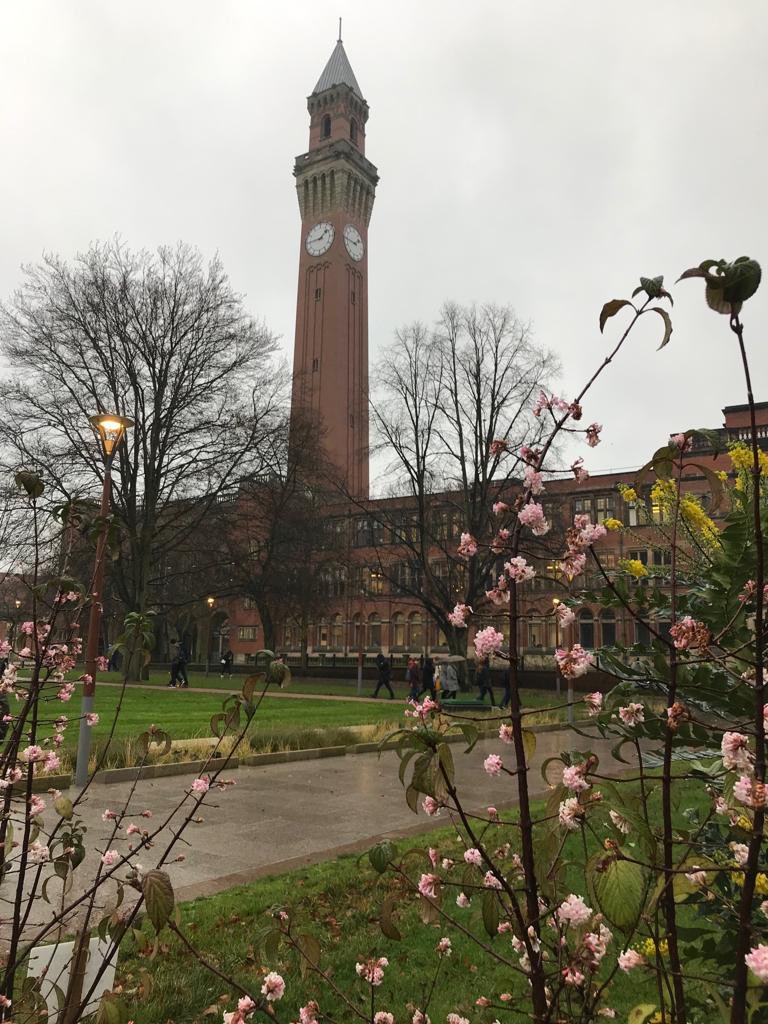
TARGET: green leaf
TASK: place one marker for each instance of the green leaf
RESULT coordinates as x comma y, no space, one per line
380,856
386,923
529,745
667,323
640,1013
471,735
63,807
490,907
250,684
112,1010
412,799
310,948
611,309
158,896
618,887
446,762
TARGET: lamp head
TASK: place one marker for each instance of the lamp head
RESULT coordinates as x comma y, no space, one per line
110,429
17,602
555,601
210,601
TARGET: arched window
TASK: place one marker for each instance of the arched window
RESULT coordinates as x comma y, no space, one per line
325,128
337,633
322,632
415,631
374,630
353,131
642,634
536,633
357,631
397,630
586,629
608,628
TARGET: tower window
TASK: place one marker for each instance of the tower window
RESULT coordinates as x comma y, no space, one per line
318,293
353,131
315,364
353,298
325,130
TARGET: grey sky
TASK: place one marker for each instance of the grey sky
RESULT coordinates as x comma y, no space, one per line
544,154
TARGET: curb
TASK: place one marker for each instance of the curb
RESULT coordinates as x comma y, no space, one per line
159,771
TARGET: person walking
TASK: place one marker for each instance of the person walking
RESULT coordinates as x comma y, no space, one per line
179,668
382,664
413,678
449,679
428,678
484,681
506,698
226,664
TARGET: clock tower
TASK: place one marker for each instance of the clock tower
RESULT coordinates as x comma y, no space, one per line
335,184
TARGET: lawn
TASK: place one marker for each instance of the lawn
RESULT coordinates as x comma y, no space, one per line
338,902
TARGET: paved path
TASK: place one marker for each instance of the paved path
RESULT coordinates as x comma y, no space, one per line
270,693
284,816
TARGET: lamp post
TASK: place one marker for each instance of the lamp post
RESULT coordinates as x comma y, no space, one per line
110,430
210,601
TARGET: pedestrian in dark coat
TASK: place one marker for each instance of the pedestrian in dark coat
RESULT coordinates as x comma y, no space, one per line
428,678
382,664
414,679
484,681
179,668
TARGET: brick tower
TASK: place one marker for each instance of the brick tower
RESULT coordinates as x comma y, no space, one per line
335,184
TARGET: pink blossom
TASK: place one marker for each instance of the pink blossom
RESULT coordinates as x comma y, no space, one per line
493,764
429,886
570,813
308,1014
736,756
584,533
572,976
764,908
431,806
36,806
51,762
680,441
572,565
487,641
594,702
740,853
565,615
593,434
500,593
5,1001
532,480
245,1004
742,791
443,947
91,718
382,1017
454,1018
420,1018
462,900
500,542
102,663
689,634
32,753
632,714
498,446
573,910
630,959
518,570
422,711
65,693
573,778
532,515
273,987
468,546
108,815
201,786
499,508
432,853
446,863
575,662
757,961
38,853
619,822
506,734
131,829
109,858
596,944
490,881
697,876
372,970
580,474
28,628
493,814
458,617
86,678
473,856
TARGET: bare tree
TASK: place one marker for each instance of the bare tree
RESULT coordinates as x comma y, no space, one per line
444,398
157,337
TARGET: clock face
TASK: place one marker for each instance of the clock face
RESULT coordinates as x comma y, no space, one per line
353,242
320,239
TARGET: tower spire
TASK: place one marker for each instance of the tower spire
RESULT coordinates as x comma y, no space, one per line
339,39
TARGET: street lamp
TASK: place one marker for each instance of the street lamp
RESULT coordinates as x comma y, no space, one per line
210,601
110,430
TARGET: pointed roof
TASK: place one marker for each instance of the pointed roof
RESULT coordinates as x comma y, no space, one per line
338,71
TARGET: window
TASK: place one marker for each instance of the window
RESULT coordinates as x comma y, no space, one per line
640,555
374,630
609,561
337,633
249,603
608,628
642,634
315,365
322,632
604,508
662,556
415,631
536,633
397,630
632,513
586,629
325,129
376,581
353,298
583,506
318,294
353,131
292,634
246,633
362,532
357,631
356,585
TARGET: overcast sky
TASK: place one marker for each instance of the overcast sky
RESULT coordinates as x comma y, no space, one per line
542,154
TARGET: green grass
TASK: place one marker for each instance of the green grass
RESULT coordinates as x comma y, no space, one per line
338,902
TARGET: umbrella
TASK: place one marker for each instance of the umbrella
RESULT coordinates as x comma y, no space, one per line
444,659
